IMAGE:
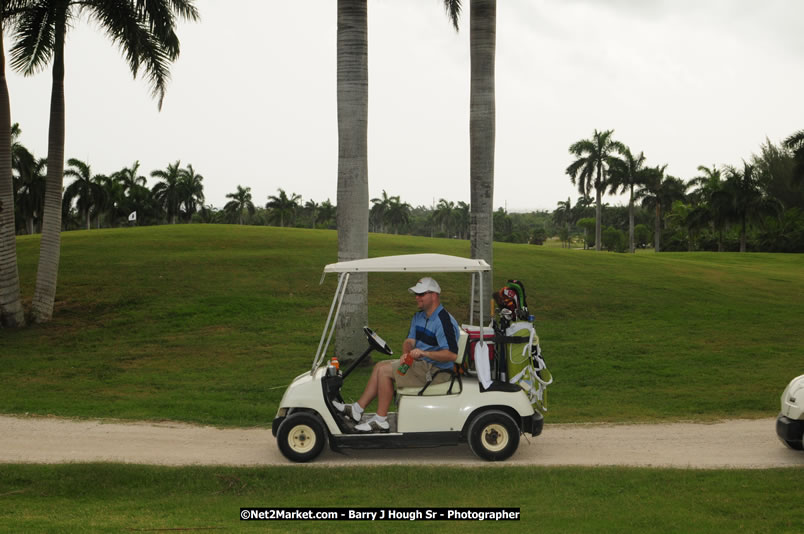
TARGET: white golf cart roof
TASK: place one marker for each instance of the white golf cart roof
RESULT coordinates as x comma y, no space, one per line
412,263
417,263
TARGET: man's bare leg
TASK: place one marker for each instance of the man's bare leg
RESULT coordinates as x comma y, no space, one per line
381,374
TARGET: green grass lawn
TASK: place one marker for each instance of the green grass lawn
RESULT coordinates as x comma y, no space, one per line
209,323
115,498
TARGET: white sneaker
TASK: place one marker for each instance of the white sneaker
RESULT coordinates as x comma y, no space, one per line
375,424
348,410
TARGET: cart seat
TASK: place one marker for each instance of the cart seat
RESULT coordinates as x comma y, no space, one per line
443,387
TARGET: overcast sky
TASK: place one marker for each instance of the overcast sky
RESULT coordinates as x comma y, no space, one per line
252,100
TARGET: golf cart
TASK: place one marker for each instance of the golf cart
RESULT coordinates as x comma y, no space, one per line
790,423
489,415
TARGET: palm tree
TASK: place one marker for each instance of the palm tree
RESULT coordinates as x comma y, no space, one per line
23,167
129,178
209,214
192,191
11,311
624,175
114,200
86,190
443,215
706,186
379,211
658,192
311,207
562,216
327,214
795,143
168,192
462,219
689,217
595,157
132,184
144,30
31,195
21,157
398,213
240,203
482,130
742,192
482,113
283,206
353,198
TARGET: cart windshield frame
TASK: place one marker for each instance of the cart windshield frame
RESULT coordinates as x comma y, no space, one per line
405,263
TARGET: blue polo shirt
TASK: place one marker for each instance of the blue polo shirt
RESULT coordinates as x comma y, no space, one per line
437,332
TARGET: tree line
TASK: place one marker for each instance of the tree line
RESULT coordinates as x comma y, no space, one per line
100,200
758,205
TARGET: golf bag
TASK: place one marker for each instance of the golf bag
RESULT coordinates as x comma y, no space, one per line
518,351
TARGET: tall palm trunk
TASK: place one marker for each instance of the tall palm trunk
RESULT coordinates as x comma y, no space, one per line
11,312
598,211
353,198
482,113
657,229
49,250
631,246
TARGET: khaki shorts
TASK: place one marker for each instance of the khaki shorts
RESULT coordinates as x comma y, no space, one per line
417,375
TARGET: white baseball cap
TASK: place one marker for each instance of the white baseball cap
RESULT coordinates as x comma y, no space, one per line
424,285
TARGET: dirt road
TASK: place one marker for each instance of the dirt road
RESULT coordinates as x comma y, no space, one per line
729,444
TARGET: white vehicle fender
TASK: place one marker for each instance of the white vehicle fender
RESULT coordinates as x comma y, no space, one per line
306,392
793,399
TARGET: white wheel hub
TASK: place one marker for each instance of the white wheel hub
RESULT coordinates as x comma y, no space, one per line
494,437
301,439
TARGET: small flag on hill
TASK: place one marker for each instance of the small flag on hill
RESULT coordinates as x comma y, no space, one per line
133,216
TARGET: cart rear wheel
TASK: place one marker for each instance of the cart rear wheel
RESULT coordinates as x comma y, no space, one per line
301,437
494,435
795,445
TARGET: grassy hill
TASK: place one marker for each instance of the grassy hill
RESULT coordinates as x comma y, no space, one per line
209,324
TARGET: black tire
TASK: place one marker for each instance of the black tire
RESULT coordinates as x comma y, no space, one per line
795,445
301,437
493,435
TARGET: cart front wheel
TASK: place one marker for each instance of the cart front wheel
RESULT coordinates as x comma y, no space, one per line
494,435
301,437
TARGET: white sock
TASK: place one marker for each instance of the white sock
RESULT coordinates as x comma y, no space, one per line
357,409
380,418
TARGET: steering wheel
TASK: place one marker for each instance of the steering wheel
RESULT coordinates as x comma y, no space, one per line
377,342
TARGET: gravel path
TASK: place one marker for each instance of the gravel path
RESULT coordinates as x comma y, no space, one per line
744,444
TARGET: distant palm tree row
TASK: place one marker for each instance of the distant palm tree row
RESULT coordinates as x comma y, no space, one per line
105,200
764,198
98,200
759,206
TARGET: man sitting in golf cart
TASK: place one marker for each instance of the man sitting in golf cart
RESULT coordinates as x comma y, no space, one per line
432,343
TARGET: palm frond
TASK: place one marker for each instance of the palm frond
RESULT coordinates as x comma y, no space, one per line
584,146
795,141
34,32
453,9
159,17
